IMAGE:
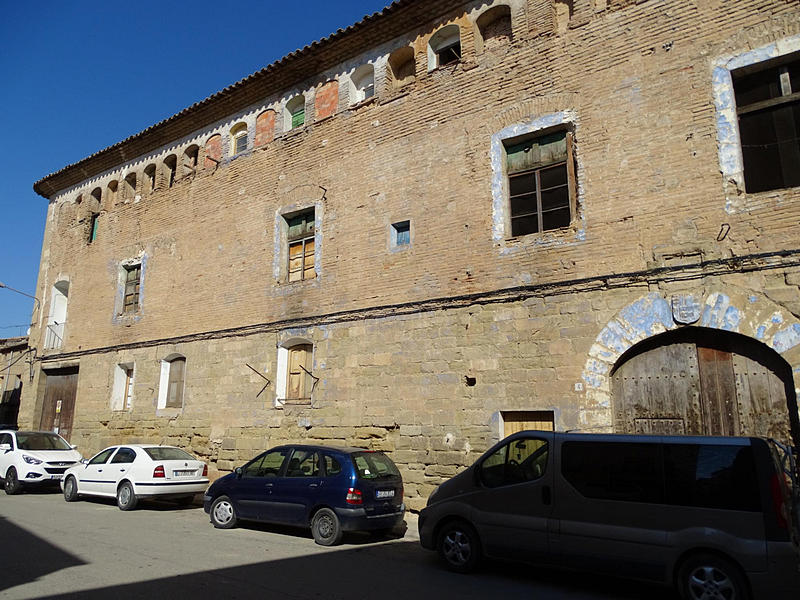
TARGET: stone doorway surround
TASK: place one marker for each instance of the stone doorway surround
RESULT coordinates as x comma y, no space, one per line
740,311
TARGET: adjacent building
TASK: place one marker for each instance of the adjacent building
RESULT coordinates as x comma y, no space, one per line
449,221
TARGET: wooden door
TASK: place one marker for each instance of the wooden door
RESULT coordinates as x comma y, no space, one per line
522,420
58,405
704,382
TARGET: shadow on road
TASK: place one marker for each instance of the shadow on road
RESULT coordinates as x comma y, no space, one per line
385,571
25,557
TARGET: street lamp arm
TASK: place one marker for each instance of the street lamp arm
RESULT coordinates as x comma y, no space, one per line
3,285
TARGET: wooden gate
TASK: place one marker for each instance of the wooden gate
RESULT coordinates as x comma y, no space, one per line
58,406
704,382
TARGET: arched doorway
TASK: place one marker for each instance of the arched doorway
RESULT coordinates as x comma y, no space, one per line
701,381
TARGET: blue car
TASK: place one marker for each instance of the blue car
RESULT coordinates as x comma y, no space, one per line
331,490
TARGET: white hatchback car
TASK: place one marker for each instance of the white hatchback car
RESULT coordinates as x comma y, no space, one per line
135,471
29,458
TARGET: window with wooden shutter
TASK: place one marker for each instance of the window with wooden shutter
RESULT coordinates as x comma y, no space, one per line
298,380
298,117
93,227
133,275
541,183
300,238
177,372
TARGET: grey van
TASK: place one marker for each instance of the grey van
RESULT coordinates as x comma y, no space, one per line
711,515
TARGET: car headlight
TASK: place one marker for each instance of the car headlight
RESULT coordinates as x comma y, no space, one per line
31,460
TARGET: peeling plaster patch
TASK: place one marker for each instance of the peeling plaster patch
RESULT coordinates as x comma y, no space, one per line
786,338
777,318
648,316
761,332
753,299
719,314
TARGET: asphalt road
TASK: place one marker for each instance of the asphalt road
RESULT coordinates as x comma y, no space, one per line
91,549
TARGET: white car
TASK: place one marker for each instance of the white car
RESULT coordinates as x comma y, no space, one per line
133,471
30,458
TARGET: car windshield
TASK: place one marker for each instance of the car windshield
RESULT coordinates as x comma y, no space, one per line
167,453
374,465
41,441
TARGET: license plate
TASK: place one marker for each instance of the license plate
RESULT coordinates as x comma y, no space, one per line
182,473
57,477
384,494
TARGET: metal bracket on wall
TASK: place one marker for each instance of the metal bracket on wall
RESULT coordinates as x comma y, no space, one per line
264,377
310,374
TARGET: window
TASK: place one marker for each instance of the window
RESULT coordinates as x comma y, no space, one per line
401,234
190,160
402,67
150,178
521,460
97,194
170,166
111,191
100,459
300,238
298,375
363,84
444,47
239,138
768,109
93,226
130,185
266,465
494,28
122,390
175,382
304,463
133,274
711,476
332,466
629,472
296,112
541,188
124,456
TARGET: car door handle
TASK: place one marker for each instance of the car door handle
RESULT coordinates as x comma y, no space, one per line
269,485
546,495
313,485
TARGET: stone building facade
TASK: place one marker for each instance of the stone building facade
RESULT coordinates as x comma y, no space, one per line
15,372
447,222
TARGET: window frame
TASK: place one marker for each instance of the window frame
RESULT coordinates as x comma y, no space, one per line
305,239
772,106
131,284
515,133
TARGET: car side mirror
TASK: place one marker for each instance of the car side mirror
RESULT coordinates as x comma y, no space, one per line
73,446
5,447
238,471
84,461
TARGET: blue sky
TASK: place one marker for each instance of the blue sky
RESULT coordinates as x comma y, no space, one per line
77,77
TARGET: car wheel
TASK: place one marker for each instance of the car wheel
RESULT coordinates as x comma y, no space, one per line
325,527
459,547
710,577
223,515
126,499
70,489
12,484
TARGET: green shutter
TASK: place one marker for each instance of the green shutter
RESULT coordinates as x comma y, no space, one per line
299,117
537,152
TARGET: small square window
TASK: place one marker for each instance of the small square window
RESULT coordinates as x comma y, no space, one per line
401,233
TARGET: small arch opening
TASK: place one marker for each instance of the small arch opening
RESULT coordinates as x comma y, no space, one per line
444,47
362,84
169,169
494,28
295,112
402,67
189,162
238,138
